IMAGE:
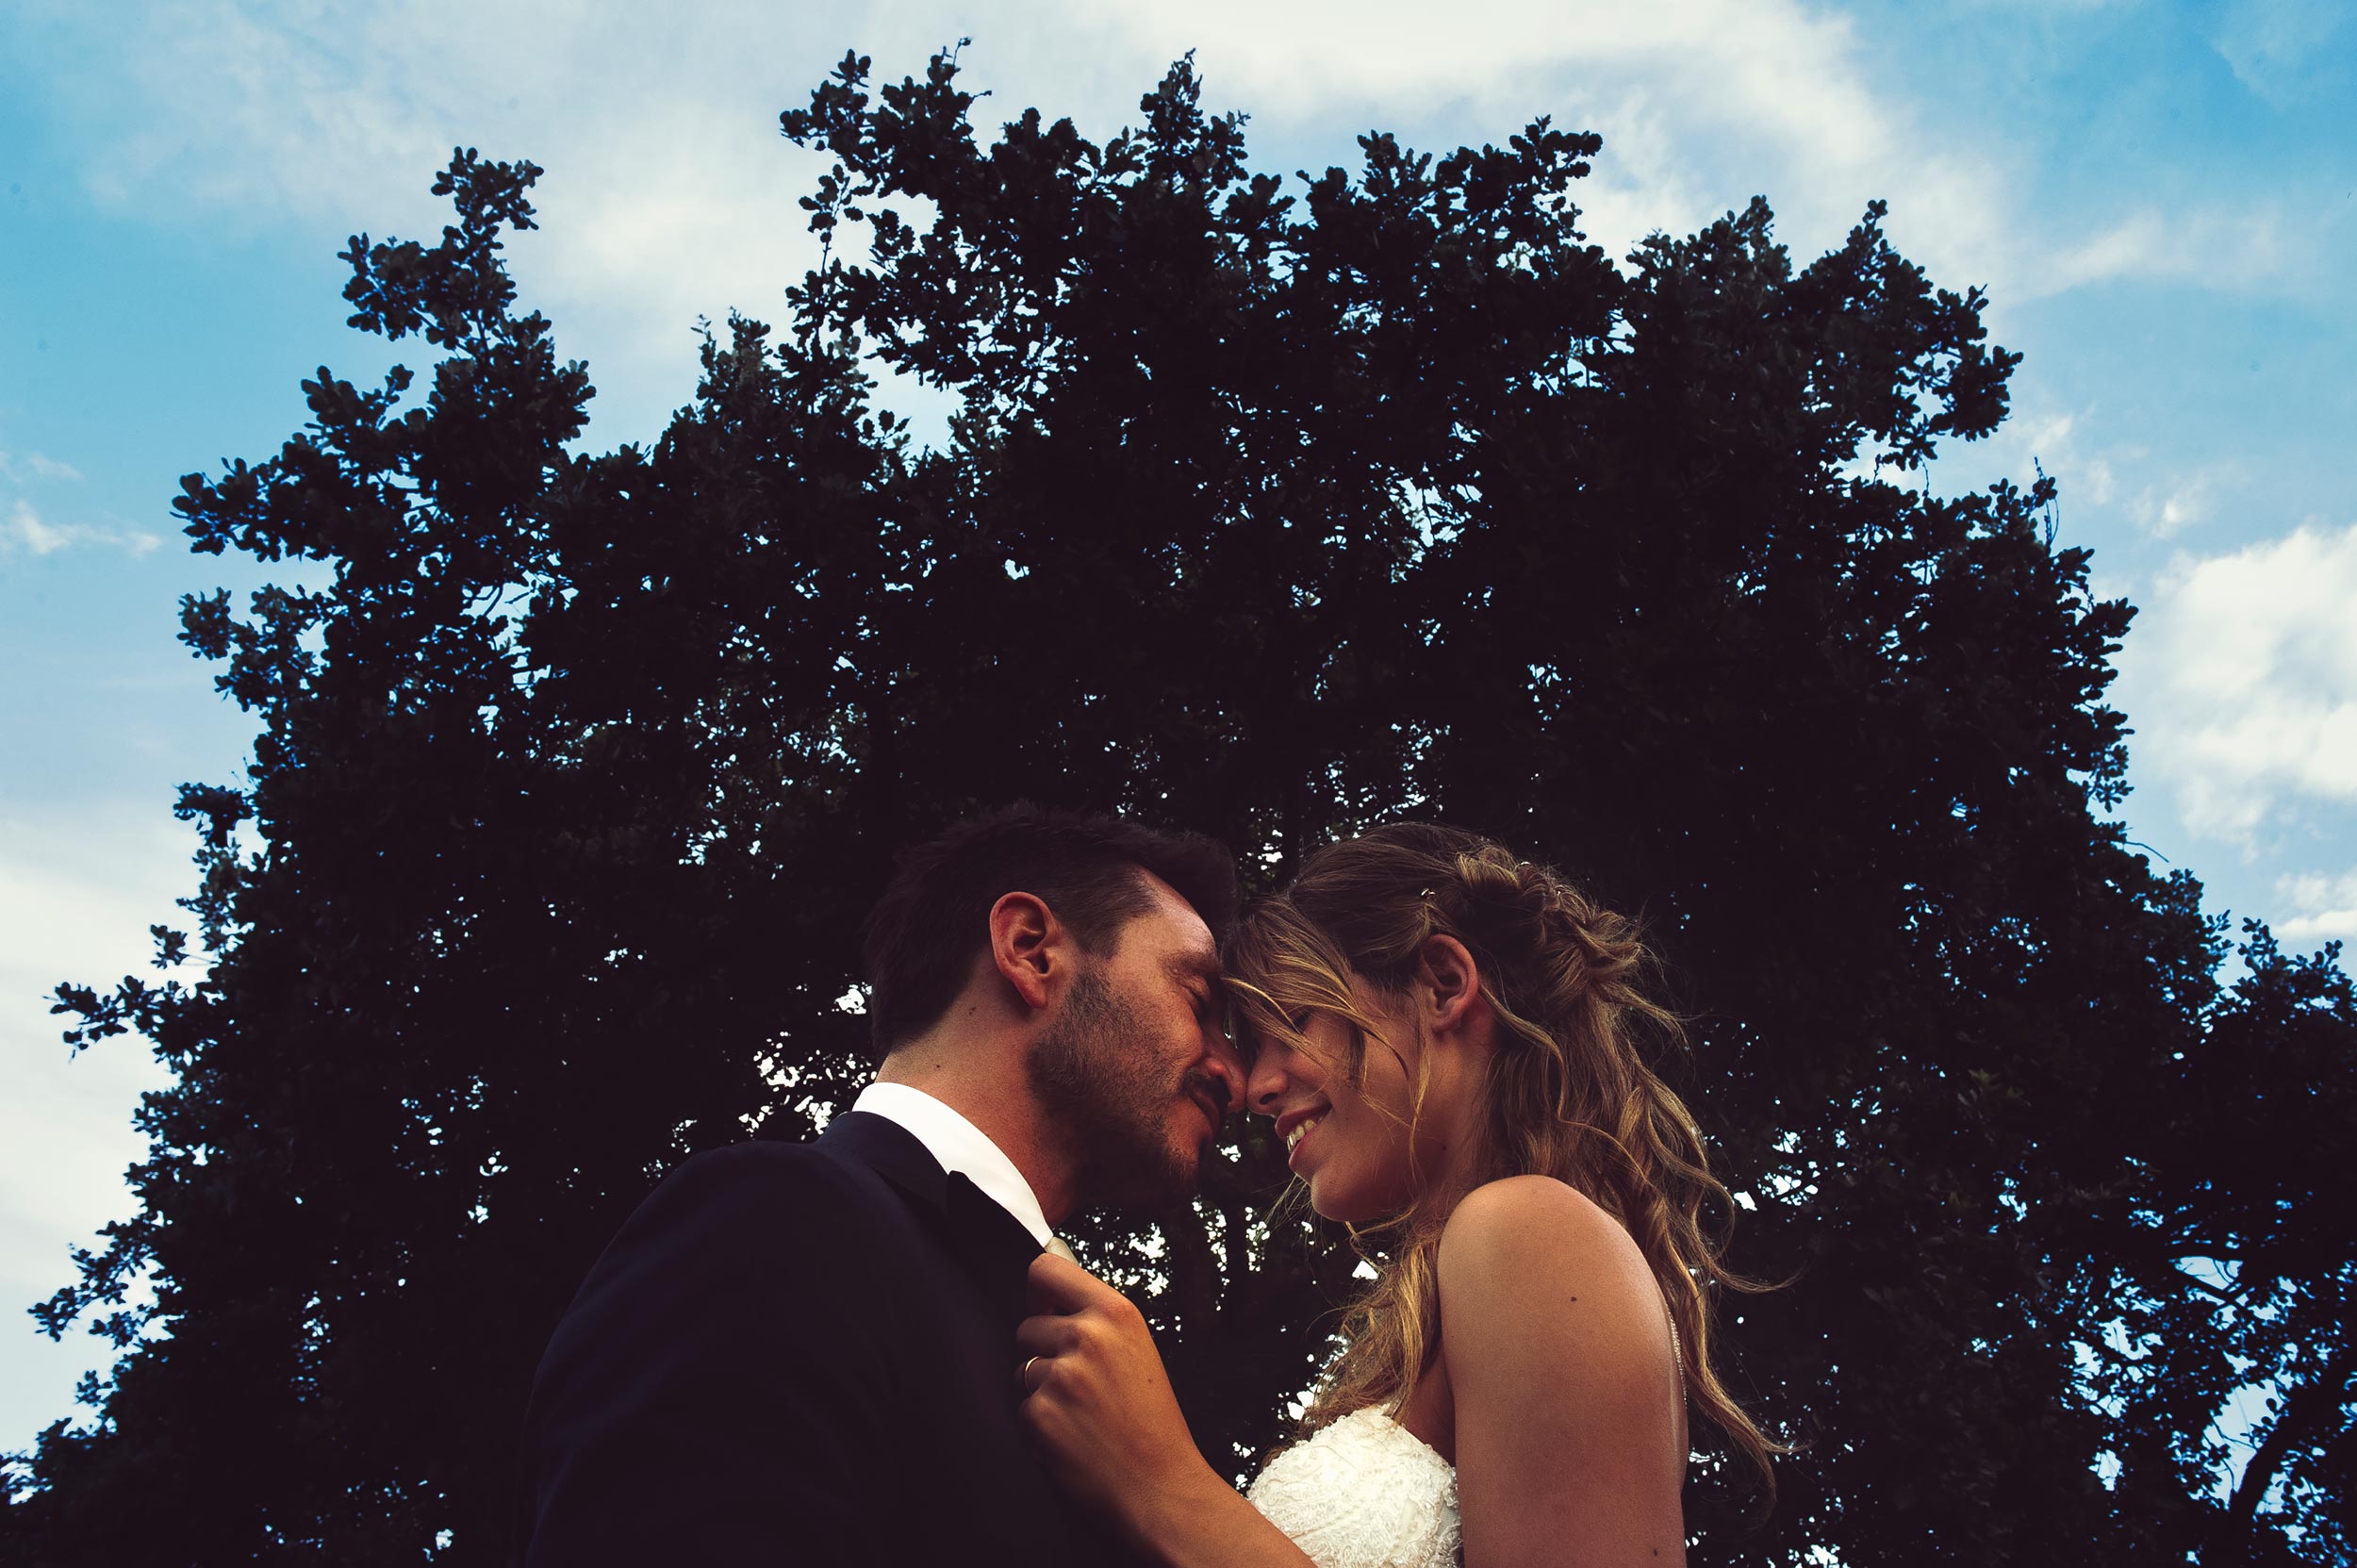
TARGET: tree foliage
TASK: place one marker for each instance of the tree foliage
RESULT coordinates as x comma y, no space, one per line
1273,515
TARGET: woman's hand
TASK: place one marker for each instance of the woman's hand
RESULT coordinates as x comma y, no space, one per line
1099,1404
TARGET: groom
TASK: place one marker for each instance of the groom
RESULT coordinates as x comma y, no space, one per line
805,1353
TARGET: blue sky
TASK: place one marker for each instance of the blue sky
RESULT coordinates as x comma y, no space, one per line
2162,199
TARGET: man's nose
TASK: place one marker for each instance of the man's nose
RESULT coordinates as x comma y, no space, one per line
1228,1068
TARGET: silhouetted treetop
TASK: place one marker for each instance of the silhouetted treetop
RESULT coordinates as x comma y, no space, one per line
1271,507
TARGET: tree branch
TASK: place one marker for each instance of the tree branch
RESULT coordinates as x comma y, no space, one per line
2304,1406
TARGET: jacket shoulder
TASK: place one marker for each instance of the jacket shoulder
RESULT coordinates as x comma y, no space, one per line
790,1189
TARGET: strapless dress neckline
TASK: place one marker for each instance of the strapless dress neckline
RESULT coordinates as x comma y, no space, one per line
1363,1491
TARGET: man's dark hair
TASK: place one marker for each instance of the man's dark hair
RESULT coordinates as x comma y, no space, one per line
924,933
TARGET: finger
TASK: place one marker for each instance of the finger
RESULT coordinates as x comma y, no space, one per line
1035,1370
1046,1336
1060,1285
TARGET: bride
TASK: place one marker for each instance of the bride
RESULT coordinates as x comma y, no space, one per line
1448,1041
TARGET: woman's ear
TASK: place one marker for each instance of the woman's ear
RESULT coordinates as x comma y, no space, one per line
1450,984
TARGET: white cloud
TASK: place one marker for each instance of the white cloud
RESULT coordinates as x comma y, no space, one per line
2327,906
27,530
77,893
1315,56
670,196
2241,680
1701,102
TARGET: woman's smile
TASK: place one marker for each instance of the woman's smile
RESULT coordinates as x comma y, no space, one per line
1299,1132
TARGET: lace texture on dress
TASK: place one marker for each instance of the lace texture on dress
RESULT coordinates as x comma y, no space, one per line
1363,1493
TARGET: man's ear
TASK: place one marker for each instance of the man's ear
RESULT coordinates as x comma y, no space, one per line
1025,943
1451,983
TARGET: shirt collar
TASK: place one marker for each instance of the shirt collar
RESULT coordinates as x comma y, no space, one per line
960,1148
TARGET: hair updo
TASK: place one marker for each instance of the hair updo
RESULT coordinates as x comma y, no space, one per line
1571,1089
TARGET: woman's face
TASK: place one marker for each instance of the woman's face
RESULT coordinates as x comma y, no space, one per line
1352,1143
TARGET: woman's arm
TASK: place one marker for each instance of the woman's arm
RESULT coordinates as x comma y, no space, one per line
1569,1432
1100,1406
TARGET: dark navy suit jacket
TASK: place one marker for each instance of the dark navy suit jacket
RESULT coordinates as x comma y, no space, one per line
798,1353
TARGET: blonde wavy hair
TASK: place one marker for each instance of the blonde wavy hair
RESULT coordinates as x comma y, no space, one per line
1569,1092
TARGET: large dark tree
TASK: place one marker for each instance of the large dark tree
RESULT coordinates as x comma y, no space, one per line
1271,514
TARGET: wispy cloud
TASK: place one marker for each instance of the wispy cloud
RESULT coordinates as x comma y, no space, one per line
2280,49
2229,248
23,466
2185,499
669,195
27,532
2057,441
2241,677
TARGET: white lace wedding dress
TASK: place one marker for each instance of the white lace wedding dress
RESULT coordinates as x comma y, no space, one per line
1363,1493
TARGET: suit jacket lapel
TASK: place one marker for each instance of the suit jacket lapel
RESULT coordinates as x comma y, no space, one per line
992,1244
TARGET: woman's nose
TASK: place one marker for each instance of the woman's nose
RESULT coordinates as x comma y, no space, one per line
1264,1084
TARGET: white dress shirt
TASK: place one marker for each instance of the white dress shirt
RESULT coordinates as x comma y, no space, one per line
960,1148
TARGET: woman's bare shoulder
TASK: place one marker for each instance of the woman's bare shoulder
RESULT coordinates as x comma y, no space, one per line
1535,1220
1528,1259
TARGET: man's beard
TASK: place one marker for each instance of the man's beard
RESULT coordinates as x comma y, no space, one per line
1106,1096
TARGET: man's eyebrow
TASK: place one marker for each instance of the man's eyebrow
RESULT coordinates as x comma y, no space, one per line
1196,965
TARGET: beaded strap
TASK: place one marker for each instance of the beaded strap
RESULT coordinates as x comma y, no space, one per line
1677,1353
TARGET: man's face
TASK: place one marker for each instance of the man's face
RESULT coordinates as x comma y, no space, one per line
1135,1072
